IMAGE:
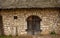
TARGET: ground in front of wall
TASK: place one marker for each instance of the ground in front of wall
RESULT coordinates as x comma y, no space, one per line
32,36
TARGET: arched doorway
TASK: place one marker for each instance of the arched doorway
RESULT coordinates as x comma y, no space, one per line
33,24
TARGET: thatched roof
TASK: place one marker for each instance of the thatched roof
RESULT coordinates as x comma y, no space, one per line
29,3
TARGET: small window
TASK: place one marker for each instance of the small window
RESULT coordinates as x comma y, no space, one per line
15,17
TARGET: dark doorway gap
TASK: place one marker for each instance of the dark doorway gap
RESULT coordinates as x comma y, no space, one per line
1,26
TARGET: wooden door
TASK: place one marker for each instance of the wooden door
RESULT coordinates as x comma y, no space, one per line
33,24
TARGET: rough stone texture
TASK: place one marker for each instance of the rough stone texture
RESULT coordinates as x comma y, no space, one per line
29,3
50,20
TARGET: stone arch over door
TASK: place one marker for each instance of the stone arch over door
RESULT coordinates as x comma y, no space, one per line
33,24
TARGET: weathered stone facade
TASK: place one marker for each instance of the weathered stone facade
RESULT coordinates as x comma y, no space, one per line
50,20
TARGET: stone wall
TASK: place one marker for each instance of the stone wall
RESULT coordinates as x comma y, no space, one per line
50,20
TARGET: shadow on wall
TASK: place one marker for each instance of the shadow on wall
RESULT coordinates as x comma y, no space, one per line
1,26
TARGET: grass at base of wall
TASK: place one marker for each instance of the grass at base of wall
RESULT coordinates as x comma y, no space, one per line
21,36
4,36
31,36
